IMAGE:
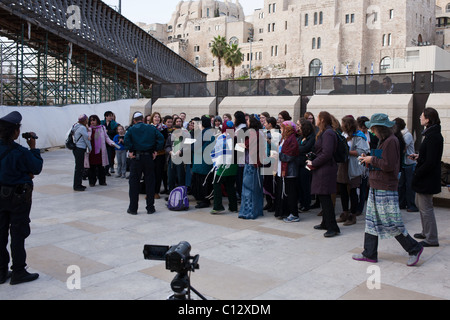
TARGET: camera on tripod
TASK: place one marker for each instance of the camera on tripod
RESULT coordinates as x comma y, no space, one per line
179,260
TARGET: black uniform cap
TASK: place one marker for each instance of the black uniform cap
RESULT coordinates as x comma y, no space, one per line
14,117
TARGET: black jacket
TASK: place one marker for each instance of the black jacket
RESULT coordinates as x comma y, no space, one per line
305,147
427,176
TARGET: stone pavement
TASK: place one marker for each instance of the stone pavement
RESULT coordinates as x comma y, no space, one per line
265,259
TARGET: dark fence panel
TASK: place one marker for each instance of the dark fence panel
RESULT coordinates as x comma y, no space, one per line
393,83
441,82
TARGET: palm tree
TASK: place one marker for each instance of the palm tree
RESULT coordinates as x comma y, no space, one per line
233,58
218,50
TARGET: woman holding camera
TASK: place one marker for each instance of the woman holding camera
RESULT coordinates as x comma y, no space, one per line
18,166
324,173
306,141
383,216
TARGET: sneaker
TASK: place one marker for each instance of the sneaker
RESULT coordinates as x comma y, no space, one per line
361,257
291,218
217,211
414,259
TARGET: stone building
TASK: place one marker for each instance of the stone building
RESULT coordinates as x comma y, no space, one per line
294,38
443,24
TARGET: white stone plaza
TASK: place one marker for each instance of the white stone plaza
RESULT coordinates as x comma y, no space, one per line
86,247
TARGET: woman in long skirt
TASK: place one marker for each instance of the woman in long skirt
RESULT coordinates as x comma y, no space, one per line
252,198
383,216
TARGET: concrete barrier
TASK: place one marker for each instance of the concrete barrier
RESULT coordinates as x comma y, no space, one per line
271,104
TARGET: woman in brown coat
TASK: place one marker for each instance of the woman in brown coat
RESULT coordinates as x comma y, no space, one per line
324,173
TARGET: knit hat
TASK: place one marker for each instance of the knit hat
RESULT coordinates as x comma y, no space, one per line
82,117
290,124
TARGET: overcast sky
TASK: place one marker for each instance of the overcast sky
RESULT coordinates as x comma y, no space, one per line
160,11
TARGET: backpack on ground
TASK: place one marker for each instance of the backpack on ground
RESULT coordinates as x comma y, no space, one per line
178,199
341,154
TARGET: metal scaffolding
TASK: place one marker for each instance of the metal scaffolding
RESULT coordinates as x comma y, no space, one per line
46,62
34,74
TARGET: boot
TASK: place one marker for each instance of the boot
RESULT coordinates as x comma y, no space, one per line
343,217
269,203
4,275
351,220
22,276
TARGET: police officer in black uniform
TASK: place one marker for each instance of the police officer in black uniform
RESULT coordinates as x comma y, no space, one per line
142,140
18,166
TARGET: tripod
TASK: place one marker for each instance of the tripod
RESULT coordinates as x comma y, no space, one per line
181,284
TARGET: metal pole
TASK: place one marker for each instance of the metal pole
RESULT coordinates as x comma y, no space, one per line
1,74
251,53
137,79
120,6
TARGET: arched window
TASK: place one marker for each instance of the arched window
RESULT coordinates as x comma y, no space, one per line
314,67
233,40
385,63
447,8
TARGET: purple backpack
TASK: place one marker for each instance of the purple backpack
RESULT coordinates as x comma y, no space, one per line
178,199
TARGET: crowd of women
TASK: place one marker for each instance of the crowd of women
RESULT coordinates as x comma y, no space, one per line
297,167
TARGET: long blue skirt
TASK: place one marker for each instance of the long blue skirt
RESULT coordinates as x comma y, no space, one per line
252,198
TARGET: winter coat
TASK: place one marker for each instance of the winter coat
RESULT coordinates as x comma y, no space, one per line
290,161
385,165
305,147
324,174
202,167
105,140
427,176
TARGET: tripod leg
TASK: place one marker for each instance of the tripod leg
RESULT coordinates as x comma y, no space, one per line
197,293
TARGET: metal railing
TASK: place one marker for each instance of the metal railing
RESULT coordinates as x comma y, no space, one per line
384,83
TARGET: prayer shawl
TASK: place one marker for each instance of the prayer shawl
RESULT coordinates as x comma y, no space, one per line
223,154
